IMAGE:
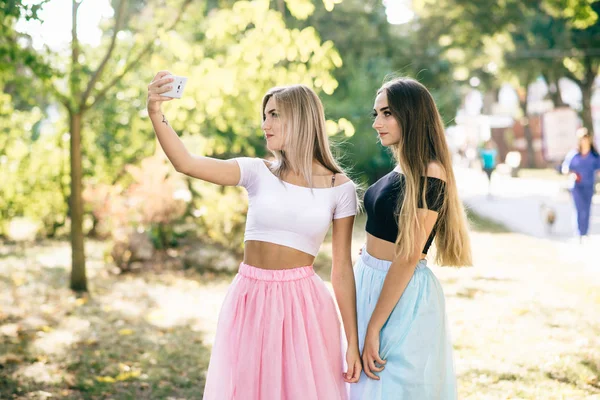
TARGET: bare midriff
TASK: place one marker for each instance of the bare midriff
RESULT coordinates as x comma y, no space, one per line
267,255
382,249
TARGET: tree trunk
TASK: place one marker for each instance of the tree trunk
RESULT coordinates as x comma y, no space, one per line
556,96
526,129
586,102
587,90
529,141
281,7
78,275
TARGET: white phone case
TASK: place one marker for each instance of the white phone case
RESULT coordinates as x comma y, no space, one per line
178,85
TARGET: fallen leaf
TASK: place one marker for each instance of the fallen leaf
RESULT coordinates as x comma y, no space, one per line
128,375
81,301
105,379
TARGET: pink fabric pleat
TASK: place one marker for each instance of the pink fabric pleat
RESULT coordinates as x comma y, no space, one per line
278,337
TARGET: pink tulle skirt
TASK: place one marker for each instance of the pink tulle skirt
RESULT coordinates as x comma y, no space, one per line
278,338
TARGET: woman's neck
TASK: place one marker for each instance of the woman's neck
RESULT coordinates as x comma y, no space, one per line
319,169
585,151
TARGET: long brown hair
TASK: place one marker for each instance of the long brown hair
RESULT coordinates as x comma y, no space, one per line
423,141
584,133
305,136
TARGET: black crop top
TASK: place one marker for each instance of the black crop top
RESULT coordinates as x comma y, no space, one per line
381,205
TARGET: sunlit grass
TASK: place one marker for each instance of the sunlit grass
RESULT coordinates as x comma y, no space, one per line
522,323
135,337
479,223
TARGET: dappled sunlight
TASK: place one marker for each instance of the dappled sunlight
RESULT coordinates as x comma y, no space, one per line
521,323
519,317
132,331
10,330
197,305
183,302
58,340
126,298
54,257
39,372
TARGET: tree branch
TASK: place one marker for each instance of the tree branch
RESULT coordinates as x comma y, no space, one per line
572,76
120,15
116,80
61,97
74,44
590,71
136,59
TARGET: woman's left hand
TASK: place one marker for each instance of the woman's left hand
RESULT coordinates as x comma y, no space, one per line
354,365
370,355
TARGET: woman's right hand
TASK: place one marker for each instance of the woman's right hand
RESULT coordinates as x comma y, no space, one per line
371,360
574,177
159,85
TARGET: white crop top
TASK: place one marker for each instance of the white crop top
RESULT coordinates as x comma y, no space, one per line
290,215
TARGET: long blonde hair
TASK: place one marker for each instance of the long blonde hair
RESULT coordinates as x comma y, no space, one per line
422,141
305,137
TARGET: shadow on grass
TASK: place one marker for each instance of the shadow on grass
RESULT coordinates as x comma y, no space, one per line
578,371
492,279
468,293
491,376
485,225
11,249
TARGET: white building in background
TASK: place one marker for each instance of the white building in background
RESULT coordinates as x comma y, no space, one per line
558,126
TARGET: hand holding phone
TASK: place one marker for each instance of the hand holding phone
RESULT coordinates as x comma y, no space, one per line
178,85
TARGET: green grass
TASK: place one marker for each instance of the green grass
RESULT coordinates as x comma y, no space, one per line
520,323
482,224
132,339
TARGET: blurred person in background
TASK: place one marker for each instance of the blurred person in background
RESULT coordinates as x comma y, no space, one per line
581,165
489,155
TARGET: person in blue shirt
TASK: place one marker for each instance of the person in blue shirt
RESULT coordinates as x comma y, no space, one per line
488,155
581,165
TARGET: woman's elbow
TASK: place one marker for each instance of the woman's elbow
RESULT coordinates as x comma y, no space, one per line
410,260
181,166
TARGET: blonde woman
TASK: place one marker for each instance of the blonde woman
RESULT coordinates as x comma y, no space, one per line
278,335
406,350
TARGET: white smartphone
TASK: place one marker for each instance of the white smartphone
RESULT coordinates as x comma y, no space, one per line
178,85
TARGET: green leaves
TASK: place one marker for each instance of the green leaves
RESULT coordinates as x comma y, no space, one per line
245,50
579,13
300,9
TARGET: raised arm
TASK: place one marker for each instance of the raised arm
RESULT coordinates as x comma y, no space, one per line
221,172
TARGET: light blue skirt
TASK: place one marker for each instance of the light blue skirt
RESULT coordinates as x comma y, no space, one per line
414,340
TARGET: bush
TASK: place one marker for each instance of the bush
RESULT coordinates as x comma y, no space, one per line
220,214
